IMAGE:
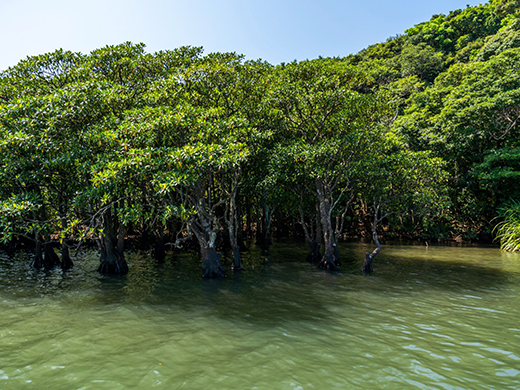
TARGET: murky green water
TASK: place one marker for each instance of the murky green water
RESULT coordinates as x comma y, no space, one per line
431,318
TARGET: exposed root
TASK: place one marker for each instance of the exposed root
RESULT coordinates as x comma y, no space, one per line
113,268
211,265
37,262
66,262
367,268
219,272
329,265
51,259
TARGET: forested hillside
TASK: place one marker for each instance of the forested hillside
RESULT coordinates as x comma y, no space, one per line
416,137
454,81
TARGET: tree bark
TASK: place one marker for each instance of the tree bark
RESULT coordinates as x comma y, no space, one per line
313,240
314,252
233,229
266,228
112,244
249,230
329,260
340,223
51,259
237,260
258,227
367,268
205,225
159,252
121,238
293,229
207,236
235,248
211,266
66,261
336,250
38,253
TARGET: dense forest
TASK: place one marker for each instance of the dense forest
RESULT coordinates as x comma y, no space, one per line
416,137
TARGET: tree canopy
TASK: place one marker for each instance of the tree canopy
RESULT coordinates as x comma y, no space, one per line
416,136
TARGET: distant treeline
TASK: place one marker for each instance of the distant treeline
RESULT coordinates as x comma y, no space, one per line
414,137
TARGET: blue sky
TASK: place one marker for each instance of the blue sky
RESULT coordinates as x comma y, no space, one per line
273,30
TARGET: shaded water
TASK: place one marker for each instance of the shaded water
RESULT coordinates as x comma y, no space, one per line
430,318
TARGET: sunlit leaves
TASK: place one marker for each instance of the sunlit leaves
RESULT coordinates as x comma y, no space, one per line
508,230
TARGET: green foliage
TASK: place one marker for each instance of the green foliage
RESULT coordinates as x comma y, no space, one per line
508,230
401,90
422,61
178,136
506,38
499,173
457,29
470,109
469,117
327,127
505,8
454,80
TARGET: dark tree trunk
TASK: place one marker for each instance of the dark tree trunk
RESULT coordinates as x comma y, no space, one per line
278,232
329,260
266,242
51,259
313,237
293,229
240,231
367,268
241,242
205,226
66,261
11,247
159,252
144,240
249,230
235,248
121,239
211,266
336,249
258,228
340,222
112,261
112,245
318,235
233,229
38,253
314,252
237,260
364,227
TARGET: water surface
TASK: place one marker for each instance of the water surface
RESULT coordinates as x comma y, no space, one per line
430,318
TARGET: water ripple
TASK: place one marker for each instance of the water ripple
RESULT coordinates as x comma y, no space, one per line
420,323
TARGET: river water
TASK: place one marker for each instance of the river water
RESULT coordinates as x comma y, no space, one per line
429,318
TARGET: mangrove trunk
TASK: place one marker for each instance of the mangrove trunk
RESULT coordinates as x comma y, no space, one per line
112,245
367,268
329,261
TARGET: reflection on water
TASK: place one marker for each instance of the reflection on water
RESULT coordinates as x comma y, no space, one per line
430,318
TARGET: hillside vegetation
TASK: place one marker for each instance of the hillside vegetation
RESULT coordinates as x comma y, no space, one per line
415,137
